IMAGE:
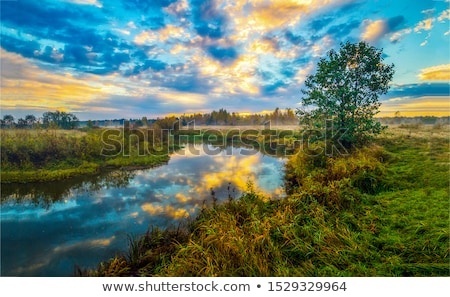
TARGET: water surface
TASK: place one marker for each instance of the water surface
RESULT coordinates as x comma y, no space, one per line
48,228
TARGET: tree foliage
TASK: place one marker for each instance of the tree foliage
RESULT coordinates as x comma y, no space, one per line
343,93
59,119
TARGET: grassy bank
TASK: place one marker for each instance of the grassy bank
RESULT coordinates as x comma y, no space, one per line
381,211
33,155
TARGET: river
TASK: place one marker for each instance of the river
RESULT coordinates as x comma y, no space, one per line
49,228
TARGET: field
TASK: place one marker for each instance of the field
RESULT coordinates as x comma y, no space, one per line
381,211
40,155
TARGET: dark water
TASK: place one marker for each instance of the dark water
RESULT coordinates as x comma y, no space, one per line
48,228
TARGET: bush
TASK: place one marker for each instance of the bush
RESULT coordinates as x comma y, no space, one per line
336,182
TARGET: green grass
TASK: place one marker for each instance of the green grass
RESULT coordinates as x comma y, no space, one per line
381,211
44,175
49,155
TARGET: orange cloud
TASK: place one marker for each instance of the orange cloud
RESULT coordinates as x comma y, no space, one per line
168,210
29,87
162,35
277,14
440,72
425,25
374,30
422,106
235,78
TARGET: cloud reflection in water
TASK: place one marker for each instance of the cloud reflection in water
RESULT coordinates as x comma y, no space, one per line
88,220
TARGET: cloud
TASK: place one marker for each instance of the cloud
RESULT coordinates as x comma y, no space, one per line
399,35
416,106
168,210
440,72
244,54
278,14
342,30
320,23
86,2
63,42
44,20
425,25
294,39
164,34
419,90
223,54
376,30
28,87
445,15
208,19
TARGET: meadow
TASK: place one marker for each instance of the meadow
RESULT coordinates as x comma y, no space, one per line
382,210
43,155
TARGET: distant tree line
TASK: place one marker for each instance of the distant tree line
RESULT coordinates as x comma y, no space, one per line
50,119
426,120
224,118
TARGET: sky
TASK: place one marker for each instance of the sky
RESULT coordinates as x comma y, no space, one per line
118,59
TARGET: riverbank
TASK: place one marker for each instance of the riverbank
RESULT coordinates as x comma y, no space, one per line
381,211
38,155
29,155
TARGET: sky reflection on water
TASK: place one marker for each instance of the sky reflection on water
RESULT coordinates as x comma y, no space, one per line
48,228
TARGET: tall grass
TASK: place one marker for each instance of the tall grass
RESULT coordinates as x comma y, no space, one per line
47,155
380,211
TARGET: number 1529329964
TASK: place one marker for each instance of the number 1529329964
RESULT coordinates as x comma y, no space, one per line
306,286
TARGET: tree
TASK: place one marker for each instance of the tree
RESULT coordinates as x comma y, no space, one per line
31,120
343,94
59,119
8,120
21,123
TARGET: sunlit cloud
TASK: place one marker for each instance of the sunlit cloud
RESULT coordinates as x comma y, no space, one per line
88,243
171,97
31,267
374,30
425,25
168,210
177,7
135,57
238,172
28,86
416,106
278,13
445,15
440,72
149,37
303,72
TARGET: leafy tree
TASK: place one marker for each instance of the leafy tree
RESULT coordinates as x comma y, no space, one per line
342,96
21,123
31,120
59,119
8,120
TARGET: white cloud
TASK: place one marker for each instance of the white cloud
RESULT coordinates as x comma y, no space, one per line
86,2
445,15
399,35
